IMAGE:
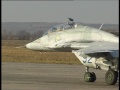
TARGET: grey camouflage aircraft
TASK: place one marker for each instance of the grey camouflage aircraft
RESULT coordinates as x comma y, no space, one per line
94,47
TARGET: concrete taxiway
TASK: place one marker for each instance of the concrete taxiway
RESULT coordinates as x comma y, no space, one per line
34,76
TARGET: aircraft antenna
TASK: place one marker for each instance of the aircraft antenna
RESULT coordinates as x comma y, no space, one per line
101,26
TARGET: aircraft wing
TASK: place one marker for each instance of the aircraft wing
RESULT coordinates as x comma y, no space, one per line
100,47
87,48
112,48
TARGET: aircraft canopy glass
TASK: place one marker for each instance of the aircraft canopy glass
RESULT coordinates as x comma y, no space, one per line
61,27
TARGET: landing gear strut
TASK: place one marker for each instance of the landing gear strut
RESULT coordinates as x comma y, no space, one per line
111,77
89,76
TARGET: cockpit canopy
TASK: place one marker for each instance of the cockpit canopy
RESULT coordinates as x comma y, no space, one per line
60,27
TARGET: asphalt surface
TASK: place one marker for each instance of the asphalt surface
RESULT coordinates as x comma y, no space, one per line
34,76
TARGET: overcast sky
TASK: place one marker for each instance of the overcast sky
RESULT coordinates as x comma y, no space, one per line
92,11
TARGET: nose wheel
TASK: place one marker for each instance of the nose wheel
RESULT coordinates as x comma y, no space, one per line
89,76
111,77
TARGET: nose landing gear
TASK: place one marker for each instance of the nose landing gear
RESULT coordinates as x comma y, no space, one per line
89,76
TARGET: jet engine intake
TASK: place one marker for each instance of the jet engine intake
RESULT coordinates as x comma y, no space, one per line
94,62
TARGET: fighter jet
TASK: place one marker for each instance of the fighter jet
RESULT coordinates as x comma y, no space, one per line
94,48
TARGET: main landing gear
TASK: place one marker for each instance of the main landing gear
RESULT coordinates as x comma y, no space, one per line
110,76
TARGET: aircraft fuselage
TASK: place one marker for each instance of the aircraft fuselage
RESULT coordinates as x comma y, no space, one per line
81,34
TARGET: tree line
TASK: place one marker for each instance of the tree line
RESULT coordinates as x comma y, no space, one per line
21,35
25,35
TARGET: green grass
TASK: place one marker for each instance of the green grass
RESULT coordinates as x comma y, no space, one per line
12,54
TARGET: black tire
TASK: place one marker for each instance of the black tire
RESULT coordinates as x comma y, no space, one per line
93,77
111,77
88,77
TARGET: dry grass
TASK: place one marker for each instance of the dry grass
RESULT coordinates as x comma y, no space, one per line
12,54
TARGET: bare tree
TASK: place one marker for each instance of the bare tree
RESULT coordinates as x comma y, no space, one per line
37,34
23,35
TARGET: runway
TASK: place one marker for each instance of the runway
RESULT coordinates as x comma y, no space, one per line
35,76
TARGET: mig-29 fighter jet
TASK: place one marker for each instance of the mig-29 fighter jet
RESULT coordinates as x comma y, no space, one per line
94,47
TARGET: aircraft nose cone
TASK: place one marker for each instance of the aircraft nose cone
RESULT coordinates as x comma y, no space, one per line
28,46
33,46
